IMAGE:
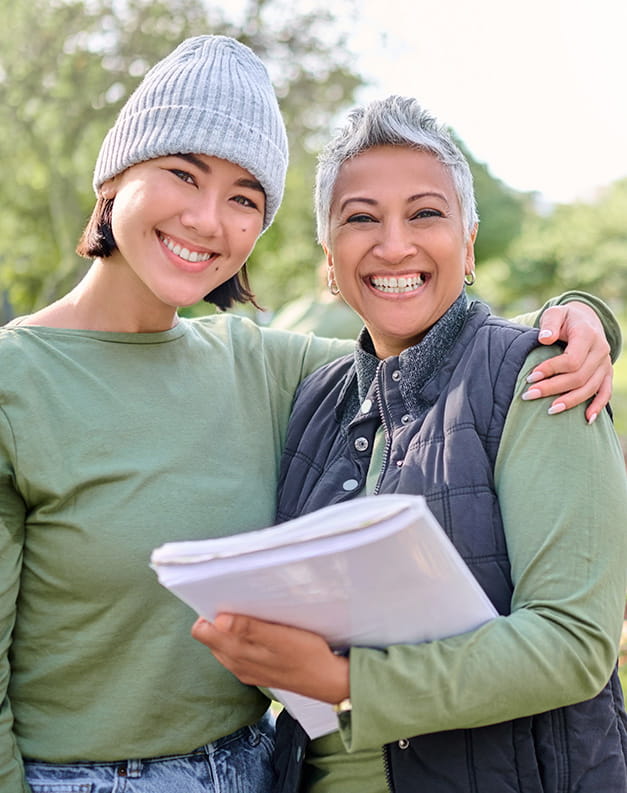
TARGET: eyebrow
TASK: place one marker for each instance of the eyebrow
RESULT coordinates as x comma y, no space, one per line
253,184
194,160
373,202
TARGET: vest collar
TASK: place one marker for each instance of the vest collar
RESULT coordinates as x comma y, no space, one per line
418,363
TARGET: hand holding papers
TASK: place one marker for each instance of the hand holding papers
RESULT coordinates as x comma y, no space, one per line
374,571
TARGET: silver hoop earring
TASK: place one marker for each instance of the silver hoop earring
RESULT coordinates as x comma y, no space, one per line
333,287
470,278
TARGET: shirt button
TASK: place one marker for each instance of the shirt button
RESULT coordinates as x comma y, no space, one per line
366,405
350,484
121,770
403,743
396,375
406,419
361,444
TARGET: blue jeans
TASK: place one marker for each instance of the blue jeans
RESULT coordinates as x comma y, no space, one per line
237,763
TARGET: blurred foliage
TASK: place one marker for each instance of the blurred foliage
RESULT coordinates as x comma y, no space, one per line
67,66
576,246
502,210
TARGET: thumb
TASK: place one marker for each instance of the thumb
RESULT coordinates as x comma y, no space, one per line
551,324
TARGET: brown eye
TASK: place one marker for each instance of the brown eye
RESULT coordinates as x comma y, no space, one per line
184,176
360,217
428,213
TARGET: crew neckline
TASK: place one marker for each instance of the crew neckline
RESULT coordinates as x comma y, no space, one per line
126,337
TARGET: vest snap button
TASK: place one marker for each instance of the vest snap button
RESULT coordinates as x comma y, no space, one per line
406,419
396,375
403,743
350,484
361,444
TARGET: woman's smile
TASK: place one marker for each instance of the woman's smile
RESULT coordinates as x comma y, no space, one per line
397,285
186,256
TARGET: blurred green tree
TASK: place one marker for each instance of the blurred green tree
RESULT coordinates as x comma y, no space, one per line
502,210
66,68
576,246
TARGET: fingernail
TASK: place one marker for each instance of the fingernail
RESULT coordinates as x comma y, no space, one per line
560,407
532,393
544,334
592,418
224,622
535,377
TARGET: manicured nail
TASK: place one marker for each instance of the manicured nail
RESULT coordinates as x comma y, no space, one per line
535,377
560,407
532,393
592,418
544,334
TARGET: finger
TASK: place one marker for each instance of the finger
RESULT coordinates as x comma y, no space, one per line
571,385
551,323
601,399
251,629
576,359
204,632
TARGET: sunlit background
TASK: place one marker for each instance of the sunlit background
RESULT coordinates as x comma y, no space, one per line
538,90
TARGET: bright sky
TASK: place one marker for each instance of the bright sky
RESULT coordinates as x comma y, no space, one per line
535,89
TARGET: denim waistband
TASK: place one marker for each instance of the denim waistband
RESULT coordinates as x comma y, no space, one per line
132,768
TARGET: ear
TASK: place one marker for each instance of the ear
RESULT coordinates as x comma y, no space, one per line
329,257
109,188
469,259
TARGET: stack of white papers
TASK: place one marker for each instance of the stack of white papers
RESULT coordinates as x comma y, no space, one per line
371,572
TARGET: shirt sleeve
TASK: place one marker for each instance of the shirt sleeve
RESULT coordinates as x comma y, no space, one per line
562,490
612,329
296,355
12,513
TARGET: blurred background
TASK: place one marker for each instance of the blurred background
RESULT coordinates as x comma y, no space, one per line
533,93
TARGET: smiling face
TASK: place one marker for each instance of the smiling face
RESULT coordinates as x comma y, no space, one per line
183,225
397,248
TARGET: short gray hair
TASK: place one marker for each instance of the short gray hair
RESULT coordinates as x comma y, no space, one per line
395,121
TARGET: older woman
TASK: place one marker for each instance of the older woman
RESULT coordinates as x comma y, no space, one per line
431,404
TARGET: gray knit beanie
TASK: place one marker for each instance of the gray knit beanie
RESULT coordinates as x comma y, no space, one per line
211,95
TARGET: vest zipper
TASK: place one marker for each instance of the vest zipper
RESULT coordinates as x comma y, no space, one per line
386,768
388,434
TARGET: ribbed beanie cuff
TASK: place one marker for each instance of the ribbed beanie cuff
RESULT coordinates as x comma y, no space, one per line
211,95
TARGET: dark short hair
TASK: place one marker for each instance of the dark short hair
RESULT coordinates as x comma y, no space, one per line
97,237
97,240
235,290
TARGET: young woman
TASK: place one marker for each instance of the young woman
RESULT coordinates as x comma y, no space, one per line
430,404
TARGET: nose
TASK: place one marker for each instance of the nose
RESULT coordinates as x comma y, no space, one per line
395,242
203,216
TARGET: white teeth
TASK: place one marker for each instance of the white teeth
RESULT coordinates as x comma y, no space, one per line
184,253
406,283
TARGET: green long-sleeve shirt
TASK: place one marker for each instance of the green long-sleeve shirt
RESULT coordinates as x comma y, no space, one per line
110,445
562,490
